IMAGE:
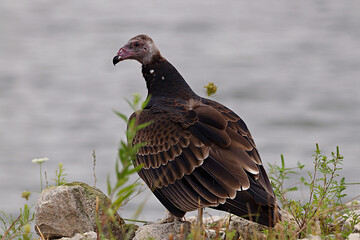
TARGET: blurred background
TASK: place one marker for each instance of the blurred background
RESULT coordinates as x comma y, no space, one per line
290,69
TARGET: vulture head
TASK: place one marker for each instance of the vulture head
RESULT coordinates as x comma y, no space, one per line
141,48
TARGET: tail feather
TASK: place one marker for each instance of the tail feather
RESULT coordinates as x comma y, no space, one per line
245,205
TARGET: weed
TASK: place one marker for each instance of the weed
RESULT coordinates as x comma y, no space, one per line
121,191
60,175
19,227
321,213
124,168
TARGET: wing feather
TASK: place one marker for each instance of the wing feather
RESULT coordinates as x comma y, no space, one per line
211,183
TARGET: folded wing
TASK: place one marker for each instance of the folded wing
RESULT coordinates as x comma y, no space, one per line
198,153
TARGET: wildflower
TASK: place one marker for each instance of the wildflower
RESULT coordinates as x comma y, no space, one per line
40,160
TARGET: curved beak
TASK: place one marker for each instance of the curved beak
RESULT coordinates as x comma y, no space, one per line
121,55
116,59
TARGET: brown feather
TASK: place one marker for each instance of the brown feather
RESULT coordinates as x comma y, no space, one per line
210,135
200,152
239,156
178,197
230,163
212,184
222,174
193,195
201,190
238,141
210,116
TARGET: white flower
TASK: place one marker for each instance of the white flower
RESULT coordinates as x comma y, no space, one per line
39,160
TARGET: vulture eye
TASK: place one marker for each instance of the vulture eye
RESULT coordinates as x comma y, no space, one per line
136,44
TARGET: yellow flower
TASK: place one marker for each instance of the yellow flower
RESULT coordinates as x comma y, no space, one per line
27,228
211,89
26,195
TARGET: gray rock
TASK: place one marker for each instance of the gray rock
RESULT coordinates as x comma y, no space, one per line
246,229
66,210
312,237
354,236
85,236
286,216
163,231
352,222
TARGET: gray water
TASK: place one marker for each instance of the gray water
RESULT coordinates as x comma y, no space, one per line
290,69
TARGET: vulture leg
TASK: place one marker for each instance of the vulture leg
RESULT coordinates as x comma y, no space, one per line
200,217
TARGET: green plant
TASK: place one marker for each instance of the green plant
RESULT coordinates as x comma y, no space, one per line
17,228
60,175
320,214
278,175
121,190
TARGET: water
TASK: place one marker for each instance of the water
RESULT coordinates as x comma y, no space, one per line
290,69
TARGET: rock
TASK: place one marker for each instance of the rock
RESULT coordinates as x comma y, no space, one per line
286,216
208,221
352,222
163,231
239,228
354,236
85,236
312,237
246,229
130,230
215,227
65,210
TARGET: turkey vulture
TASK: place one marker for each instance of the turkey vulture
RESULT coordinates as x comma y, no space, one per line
197,153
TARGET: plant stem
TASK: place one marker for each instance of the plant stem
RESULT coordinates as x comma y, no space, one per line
7,230
41,178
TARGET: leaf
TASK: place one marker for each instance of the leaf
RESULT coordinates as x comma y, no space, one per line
108,183
292,189
145,103
121,115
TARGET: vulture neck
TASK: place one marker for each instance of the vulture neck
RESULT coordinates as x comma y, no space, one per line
163,80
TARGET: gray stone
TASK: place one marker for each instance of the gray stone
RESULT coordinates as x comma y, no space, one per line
286,216
85,236
312,237
349,224
354,236
246,229
163,231
65,210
